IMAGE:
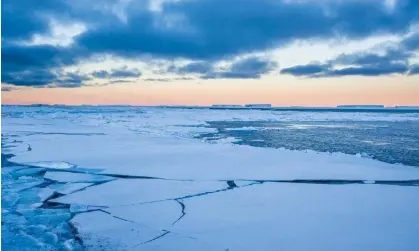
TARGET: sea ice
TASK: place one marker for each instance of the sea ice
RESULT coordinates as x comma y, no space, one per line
137,191
76,177
101,231
326,217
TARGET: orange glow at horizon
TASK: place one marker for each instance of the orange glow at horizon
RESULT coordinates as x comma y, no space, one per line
283,91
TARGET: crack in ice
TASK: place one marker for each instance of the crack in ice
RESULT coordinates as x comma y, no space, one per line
183,212
158,237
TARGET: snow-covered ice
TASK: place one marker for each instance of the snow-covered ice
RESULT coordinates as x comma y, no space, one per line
306,217
136,191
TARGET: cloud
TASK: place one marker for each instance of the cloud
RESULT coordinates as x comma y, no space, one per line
100,74
157,79
7,88
394,60
391,55
22,19
204,31
117,73
376,70
44,78
120,81
305,70
125,73
312,70
252,67
32,65
219,29
414,69
201,67
70,80
166,79
411,42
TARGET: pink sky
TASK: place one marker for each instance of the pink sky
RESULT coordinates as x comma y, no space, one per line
400,90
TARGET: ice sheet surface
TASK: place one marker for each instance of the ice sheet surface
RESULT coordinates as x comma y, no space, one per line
129,178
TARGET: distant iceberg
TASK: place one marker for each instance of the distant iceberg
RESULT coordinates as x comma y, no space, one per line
360,106
258,105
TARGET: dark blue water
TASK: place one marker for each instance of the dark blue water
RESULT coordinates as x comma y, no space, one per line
392,142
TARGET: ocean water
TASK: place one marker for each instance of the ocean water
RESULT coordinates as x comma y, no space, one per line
388,141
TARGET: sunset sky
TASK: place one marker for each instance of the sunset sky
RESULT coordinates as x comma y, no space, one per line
203,52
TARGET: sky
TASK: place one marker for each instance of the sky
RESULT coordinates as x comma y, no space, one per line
203,52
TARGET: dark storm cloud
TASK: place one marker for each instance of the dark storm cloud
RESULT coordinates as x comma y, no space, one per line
22,18
32,65
222,28
205,30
